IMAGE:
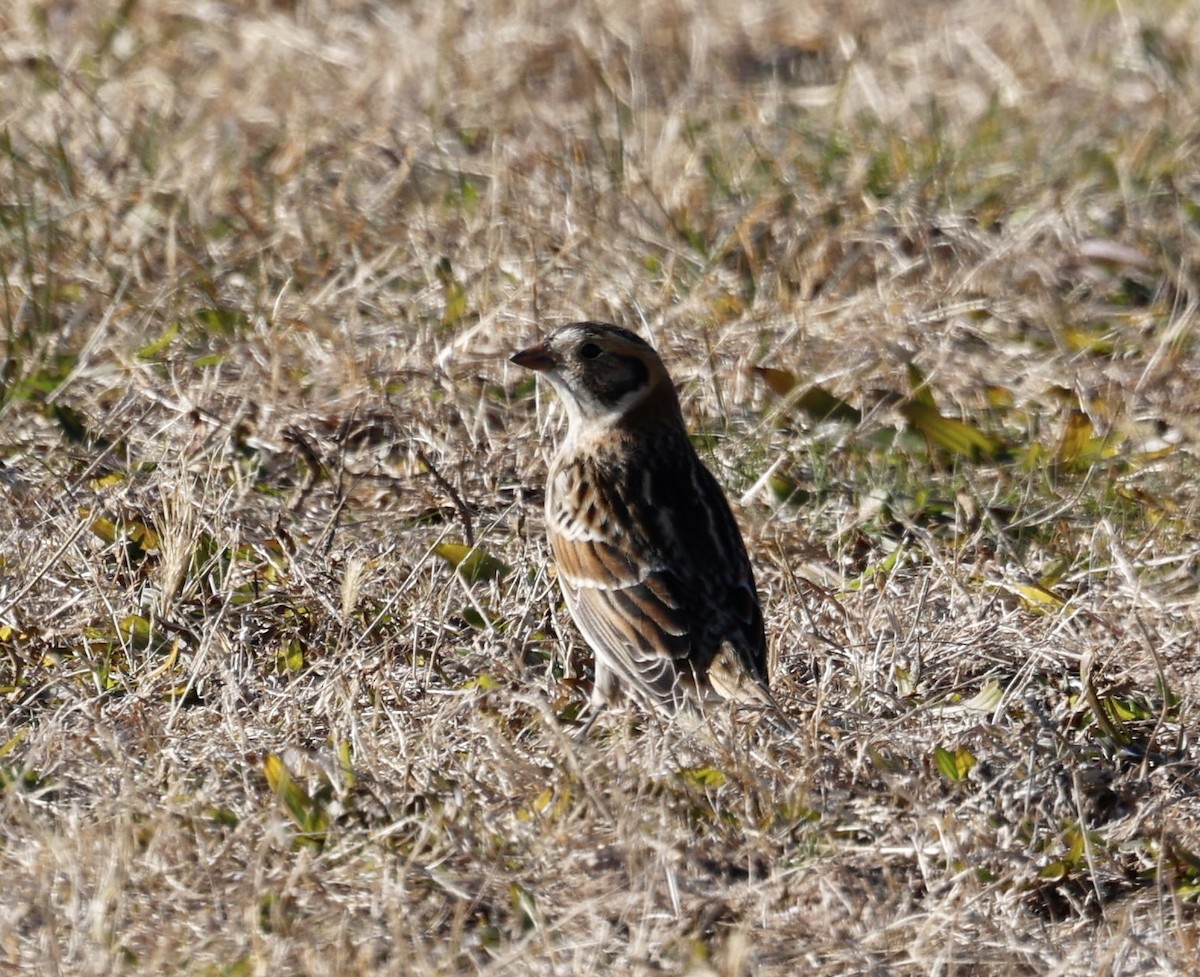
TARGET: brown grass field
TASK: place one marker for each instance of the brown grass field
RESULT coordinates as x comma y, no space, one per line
927,275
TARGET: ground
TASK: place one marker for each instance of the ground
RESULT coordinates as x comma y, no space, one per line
286,683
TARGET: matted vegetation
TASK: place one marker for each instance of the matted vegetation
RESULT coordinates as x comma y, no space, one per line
927,276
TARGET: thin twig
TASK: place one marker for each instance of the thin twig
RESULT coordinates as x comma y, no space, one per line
463,513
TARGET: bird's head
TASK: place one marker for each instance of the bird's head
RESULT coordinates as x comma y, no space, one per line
605,375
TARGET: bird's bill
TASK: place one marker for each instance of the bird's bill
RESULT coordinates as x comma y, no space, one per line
536,357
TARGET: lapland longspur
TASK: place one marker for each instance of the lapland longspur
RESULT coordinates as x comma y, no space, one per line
650,560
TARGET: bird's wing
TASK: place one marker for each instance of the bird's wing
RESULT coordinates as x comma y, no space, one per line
726,588
656,576
629,610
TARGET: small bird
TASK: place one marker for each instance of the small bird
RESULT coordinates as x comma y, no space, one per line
650,560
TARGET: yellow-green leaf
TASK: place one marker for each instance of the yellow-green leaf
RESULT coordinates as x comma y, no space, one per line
222,321
8,747
884,567
542,801
1127,710
280,780
1076,435
524,905
110,531
1077,840
108,481
453,294
787,490
346,763
704,777
290,656
779,382
169,660
986,699
474,618
955,436
105,528
945,763
223,816
549,804
817,402
308,812
918,387
143,535
955,764
1056,570
727,306
1036,597
136,630
1100,341
473,563
1056,871
152,349
998,398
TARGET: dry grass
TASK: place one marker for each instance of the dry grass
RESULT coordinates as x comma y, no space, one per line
261,267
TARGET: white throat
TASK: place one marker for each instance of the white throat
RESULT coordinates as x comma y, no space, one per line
584,421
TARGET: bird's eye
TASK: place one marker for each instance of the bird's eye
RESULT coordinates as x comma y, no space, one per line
589,351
